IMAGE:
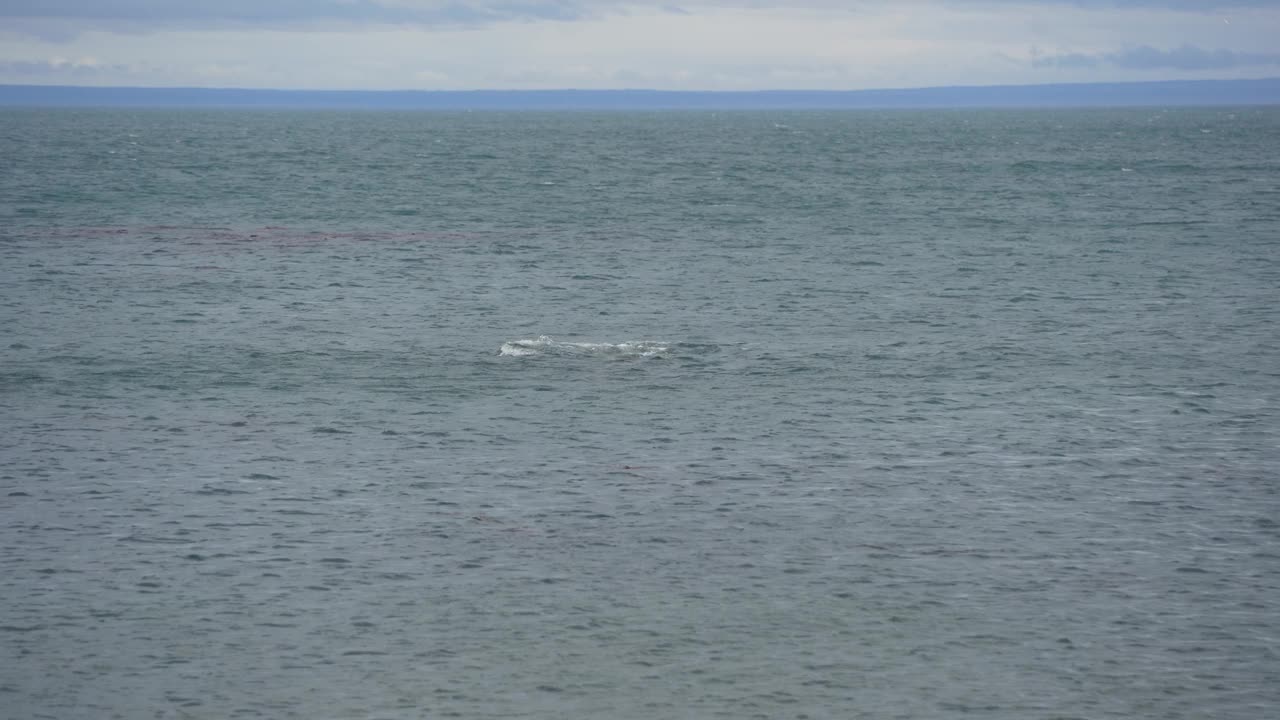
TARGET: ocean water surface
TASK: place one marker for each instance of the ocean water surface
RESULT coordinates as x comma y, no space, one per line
640,415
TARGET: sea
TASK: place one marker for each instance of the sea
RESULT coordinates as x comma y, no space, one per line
640,415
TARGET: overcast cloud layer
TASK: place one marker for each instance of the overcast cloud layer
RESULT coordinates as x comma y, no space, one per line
666,44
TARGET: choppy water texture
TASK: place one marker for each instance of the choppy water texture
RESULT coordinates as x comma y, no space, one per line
686,415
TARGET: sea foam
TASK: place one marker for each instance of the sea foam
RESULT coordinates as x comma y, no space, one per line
544,345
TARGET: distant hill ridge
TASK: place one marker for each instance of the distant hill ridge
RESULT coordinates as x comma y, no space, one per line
1177,92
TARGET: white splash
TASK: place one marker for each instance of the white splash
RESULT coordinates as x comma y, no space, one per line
543,345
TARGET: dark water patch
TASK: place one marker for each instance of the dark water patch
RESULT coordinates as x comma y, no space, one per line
156,539
219,490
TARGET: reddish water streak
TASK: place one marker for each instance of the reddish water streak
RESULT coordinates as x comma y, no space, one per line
272,234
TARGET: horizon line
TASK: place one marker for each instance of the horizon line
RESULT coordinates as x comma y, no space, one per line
1200,92
909,88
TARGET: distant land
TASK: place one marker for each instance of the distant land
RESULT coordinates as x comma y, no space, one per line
1169,93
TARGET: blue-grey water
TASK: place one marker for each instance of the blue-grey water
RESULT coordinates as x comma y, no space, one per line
626,415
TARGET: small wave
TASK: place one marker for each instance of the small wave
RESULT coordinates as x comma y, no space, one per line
543,345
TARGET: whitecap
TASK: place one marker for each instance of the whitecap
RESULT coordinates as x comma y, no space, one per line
544,345
522,348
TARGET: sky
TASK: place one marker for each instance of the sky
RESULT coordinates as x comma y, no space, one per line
653,44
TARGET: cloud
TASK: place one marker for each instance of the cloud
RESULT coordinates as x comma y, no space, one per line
395,10
667,44
1189,57
1192,5
61,19
1067,60
81,68
49,18
170,10
1145,57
